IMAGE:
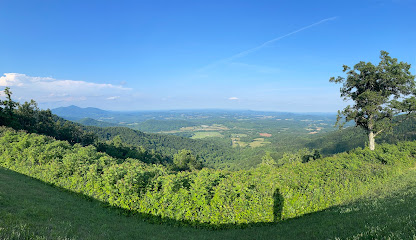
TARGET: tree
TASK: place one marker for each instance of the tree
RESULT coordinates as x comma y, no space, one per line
267,160
9,103
379,93
185,160
6,113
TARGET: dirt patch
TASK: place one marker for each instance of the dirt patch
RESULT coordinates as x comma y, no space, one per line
265,134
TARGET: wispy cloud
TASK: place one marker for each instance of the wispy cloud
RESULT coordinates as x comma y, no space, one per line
256,68
246,52
113,98
233,98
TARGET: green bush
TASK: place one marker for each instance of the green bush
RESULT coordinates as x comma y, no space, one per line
209,197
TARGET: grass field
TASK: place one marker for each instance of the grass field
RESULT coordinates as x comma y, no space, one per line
30,209
198,135
258,142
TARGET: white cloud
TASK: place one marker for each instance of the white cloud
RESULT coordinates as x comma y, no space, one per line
233,98
53,91
113,98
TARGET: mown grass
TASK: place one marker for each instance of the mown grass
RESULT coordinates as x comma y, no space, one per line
30,209
199,135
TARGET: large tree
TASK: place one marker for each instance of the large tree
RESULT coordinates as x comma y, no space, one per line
379,93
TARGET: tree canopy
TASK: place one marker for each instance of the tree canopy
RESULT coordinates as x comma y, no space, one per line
379,93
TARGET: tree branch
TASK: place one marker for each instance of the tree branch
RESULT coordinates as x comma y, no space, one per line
375,134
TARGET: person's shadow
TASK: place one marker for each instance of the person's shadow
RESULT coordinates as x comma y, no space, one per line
278,203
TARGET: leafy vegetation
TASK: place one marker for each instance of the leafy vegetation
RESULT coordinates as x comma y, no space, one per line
208,197
31,209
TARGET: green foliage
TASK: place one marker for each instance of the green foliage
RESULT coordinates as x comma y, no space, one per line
117,148
268,160
208,197
185,160
6,112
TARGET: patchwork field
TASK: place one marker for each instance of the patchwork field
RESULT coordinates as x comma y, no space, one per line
257,142
213,127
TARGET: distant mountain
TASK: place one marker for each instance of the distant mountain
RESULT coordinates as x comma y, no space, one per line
76,113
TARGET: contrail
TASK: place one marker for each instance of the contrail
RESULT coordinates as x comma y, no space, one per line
246,52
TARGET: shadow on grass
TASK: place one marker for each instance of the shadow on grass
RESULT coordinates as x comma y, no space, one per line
278,203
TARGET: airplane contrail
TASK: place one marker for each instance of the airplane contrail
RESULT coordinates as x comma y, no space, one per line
246,52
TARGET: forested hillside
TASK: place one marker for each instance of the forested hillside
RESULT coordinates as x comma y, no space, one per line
211,153
93,122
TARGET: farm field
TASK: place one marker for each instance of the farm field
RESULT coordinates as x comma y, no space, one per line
199,135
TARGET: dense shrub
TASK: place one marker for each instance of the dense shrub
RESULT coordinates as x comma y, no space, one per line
211,197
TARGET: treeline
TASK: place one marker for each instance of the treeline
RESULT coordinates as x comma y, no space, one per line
29,117
214,198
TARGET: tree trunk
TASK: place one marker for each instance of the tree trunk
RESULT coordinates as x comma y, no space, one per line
371,141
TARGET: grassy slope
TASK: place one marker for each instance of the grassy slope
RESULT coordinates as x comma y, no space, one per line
30,209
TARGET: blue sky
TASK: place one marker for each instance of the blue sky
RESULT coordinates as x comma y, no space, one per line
154,55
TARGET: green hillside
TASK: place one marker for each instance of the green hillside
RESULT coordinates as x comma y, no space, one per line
31,209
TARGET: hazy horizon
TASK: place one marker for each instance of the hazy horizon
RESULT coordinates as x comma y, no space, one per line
193,109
